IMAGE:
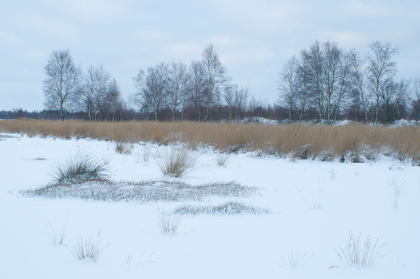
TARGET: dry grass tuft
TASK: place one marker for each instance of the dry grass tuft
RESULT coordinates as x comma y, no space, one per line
89,248
168,222
352,143
123,148
358,253
176,161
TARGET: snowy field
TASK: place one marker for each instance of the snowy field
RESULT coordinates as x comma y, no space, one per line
313,207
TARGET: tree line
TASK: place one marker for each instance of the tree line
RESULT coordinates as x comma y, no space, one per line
327,83
323,83
200,91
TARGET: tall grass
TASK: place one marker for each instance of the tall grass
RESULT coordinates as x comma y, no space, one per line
347,142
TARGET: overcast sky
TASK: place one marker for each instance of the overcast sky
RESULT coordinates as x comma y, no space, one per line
254,38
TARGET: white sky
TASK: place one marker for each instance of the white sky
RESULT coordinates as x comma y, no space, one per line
254,38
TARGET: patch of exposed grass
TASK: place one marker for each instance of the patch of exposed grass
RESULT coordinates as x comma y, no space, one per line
227,208
147,191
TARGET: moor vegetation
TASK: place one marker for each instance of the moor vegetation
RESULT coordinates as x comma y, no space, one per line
352,142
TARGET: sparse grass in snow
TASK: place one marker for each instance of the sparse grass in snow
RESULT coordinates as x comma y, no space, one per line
316,202
176,161
138,263
333,174
294,260
146,153
227,208
81,168
222,158
89,248
397,193
56,235
360,253
167,221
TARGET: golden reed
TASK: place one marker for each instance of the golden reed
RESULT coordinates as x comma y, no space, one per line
279,139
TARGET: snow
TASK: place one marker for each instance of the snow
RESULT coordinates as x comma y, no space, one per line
351,197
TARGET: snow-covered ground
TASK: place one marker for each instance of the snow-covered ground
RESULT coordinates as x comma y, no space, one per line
314,206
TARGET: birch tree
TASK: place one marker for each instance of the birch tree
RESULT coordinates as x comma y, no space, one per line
61,83
152,89
380,72
215,79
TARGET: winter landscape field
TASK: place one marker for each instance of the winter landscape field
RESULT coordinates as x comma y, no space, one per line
230,213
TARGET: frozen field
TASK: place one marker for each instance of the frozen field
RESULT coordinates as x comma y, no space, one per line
313,205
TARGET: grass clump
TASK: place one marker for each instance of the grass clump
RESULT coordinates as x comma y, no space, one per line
123,148
358,253
222,158
168,222
89,248
79,169
176,161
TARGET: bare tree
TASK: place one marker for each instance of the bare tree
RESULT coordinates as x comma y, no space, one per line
359,96
113,102
344,83
288,85
177,87
380,72
152,89
215,79
240,101
303,94
312,67
196,83
394,99
94,91
62,82
415,98
228,97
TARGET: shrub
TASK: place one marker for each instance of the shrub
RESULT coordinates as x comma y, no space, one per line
358,253
79,169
